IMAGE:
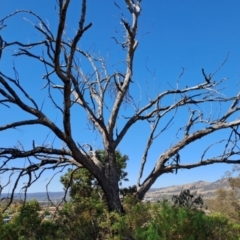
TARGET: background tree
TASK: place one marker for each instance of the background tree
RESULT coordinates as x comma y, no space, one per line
80,81
188,199
82,183
226,201
27,222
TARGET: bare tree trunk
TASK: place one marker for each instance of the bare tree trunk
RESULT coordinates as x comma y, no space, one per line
112,188
112,198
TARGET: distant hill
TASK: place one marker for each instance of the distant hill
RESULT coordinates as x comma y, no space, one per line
206,189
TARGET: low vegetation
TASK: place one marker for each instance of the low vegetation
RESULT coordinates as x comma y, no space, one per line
86,215
87,218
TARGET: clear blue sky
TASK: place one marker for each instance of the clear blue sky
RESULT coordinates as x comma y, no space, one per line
172,34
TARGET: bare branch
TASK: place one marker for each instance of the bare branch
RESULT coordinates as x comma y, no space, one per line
77,79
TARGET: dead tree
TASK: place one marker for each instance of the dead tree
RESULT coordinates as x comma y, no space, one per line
88,92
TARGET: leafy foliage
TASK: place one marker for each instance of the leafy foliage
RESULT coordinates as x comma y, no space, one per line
79,220
28,221
188,199
86,216
83,184
90,219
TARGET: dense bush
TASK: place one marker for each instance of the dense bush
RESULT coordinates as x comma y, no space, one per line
162,221
142,221
90,219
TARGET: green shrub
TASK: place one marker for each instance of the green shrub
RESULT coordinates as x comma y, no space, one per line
90,219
